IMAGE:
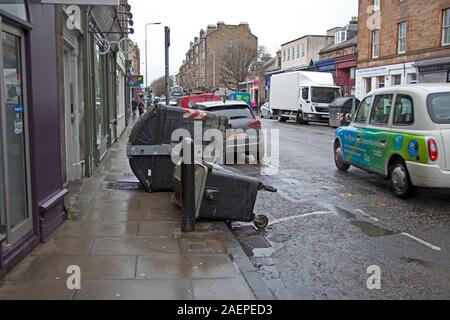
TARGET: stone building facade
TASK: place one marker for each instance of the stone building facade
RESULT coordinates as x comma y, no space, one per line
201,69
340,57
402,42
300,53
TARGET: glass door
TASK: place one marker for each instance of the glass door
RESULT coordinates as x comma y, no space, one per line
14,128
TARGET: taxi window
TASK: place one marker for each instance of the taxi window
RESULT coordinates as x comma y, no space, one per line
381,110
439,107
403,111
363,110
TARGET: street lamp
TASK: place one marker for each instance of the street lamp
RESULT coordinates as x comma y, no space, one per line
146,47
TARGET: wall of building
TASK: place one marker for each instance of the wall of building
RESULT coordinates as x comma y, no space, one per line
305,49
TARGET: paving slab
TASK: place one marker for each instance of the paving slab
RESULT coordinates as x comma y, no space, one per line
66,245
135,290
99,229
92,267
186,267
222,289
119,246
35,290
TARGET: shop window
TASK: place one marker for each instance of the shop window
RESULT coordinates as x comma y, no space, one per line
380,82
16,8
368,85
396,80
381,110
412,78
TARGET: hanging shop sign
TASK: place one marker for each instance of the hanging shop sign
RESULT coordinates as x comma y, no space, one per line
125,45
136,81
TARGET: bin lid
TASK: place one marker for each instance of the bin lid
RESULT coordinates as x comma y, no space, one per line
346,101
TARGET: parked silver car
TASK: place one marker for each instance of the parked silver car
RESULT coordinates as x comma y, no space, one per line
266,112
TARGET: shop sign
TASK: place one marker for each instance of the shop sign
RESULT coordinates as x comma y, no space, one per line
434,68
136,81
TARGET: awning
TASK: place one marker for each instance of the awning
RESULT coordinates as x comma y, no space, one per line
325,65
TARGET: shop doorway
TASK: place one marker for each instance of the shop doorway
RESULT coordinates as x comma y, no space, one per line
14,180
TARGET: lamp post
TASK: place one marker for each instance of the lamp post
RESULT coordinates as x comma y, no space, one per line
146,47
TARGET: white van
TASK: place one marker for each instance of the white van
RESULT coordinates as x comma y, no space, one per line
303,96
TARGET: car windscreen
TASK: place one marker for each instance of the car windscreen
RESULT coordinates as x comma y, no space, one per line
233,112
439,107
324,95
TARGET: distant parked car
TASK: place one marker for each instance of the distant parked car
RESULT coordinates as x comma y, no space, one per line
266,112
402,133
240,117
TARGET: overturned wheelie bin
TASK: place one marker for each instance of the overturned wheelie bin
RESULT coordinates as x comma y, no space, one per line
222,193
150,144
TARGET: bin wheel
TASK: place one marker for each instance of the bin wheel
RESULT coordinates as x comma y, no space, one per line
261,221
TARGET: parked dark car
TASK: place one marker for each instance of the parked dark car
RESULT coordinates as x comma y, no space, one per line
241,117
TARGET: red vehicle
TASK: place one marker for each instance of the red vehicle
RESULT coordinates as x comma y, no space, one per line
187,102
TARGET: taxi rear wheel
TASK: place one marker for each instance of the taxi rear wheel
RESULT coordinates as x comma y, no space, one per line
339,158
401,181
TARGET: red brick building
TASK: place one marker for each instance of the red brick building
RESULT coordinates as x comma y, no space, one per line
402,41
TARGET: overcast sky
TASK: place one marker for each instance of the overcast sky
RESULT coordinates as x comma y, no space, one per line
273,22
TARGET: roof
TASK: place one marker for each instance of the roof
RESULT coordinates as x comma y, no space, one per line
307,36
425,88
228,103
348,43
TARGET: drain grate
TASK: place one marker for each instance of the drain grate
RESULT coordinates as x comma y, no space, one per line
123,185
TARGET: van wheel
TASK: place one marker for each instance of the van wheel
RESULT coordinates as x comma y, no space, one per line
300,119
339,158
281,118
400,180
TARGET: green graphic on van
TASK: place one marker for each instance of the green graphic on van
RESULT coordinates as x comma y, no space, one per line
373,148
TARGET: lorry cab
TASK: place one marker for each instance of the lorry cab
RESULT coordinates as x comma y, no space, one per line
401,133
314,102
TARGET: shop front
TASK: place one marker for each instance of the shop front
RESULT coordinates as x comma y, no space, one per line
384,76
31,191
434,71
346,73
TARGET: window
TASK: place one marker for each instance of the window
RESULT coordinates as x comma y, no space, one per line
402,37
446,28
403,111
381,110
284,55
303,50
439,107
352,73
412,78
363,110
376,5
289,54
16,8
298,52
293,53
230,43
340,36
375,43
368,85
380,82
305,93
396,80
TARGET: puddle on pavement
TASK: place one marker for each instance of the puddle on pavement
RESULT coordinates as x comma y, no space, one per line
372,230
342,213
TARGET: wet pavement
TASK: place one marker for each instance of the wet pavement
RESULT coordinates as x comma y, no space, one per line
327,228
128,244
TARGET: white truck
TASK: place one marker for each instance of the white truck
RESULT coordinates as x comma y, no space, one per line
303,96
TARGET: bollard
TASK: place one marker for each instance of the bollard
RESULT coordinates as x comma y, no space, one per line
188,187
